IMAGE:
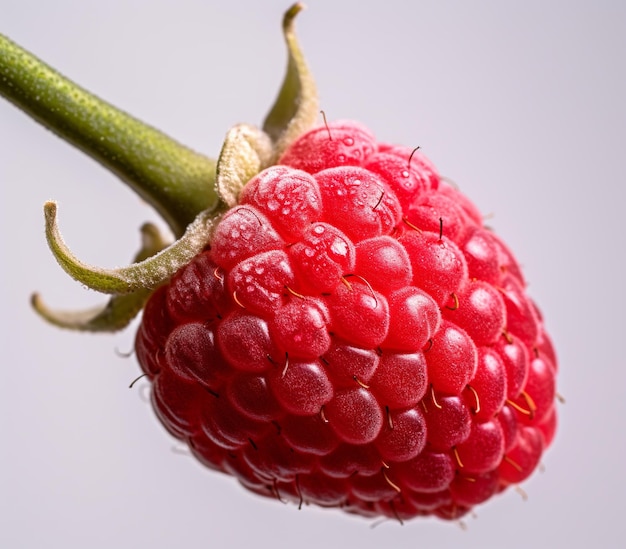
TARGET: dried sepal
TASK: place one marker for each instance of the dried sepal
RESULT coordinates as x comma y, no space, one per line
246,151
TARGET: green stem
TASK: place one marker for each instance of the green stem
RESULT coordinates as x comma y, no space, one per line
176,181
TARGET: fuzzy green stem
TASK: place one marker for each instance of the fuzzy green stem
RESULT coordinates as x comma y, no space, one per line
176,181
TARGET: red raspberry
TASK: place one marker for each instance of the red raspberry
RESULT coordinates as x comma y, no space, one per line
355,338
337,329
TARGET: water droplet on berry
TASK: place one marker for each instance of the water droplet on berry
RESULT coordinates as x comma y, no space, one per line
339,248
349,141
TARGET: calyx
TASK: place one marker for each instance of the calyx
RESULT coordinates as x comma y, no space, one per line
190,191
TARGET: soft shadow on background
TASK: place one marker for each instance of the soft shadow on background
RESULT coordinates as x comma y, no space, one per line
521,103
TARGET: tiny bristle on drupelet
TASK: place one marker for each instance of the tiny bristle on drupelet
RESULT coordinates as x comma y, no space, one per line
354,337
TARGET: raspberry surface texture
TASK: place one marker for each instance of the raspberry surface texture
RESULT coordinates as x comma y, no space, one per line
354,337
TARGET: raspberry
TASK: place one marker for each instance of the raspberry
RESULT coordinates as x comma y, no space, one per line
362,342
334,325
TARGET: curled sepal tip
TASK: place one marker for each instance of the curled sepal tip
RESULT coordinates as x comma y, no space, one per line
112,317
246,151
119,311
146,274
297,106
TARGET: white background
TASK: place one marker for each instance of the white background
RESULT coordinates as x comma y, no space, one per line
522,103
